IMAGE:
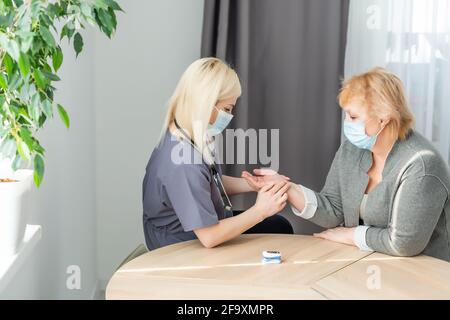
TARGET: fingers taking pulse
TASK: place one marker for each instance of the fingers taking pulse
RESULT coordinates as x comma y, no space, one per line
272,198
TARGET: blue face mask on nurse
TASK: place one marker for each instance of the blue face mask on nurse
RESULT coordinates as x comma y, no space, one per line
222,119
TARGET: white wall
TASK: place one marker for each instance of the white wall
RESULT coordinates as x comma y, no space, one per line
65,204
89,205
134,75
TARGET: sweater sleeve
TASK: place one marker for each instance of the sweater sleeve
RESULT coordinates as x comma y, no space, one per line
329,213
418,204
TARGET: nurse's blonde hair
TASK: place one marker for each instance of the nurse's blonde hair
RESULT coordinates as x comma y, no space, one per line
381,92
205,82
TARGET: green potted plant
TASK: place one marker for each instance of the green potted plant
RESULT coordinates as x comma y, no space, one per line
30,57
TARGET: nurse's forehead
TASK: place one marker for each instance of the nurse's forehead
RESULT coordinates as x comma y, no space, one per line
231,101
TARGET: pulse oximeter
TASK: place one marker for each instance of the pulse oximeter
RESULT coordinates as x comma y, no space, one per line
271,256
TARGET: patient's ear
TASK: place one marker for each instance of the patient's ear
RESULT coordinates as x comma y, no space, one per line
384,122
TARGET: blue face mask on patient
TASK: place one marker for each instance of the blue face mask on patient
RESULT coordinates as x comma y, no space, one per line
222,121
356,134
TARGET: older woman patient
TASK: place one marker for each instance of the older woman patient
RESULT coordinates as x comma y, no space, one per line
388,186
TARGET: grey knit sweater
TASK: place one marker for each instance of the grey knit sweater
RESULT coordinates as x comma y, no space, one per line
408,211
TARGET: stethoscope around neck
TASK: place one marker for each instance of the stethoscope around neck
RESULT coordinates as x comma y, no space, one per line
215,175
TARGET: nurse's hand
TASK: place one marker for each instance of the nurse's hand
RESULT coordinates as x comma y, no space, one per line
272,198
262,177
340,234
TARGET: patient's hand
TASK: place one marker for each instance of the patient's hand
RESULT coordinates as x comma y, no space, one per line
339,234
262,177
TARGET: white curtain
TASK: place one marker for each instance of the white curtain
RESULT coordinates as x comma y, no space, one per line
412,39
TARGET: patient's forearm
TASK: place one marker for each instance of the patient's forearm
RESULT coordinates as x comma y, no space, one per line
235,185
229,228
296,197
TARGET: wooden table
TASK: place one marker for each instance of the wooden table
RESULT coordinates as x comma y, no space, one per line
312,268
419,277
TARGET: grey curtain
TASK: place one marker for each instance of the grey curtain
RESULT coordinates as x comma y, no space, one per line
289,55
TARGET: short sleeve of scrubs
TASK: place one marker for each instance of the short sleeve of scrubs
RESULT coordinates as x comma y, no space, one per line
188,189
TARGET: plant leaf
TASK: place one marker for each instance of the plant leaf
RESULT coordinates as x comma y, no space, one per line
47,36
26,40
78,43
50,76
39,78
57,59
3,83
14,81
38,169
38,148
101,4
16,162
105,18
23,113
34,108
67,31
23,149
10,46
35,7
24,64
8,148
25,134
13,50
18,2
47,107
64,116
8,64
114,5
86,9
37,45
6,20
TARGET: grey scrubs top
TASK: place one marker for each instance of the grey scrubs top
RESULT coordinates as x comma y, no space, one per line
178,196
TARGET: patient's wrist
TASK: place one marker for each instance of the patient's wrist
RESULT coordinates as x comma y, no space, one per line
293,189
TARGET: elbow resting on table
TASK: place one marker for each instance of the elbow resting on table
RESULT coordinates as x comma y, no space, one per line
406,249
208,243
327,219
207,238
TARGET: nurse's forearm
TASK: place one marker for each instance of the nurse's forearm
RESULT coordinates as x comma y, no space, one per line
229,228
296,196
235,185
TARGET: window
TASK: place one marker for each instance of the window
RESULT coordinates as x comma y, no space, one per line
412,39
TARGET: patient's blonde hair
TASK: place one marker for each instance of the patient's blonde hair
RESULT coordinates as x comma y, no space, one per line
205,82
381,92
